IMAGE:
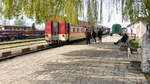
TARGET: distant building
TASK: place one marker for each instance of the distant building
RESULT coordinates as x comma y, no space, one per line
138,28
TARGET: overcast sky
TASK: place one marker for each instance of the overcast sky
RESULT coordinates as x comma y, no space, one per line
115,12
111,14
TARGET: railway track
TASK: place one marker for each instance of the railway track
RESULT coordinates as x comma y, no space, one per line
29,50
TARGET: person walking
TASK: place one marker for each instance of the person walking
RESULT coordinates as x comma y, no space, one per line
88,37
100,33
94,36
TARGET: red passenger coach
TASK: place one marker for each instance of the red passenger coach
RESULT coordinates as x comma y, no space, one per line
61,32
55,32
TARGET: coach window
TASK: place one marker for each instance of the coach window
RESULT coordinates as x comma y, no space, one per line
10,29
20,29
77,29
14,29
6,29
85,29
81,29
73,29
26,29
17,29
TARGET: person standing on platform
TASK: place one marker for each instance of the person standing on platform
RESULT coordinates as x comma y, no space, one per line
94,36
88,37
100,33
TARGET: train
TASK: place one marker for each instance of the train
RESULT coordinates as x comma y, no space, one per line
116,29
60,32
12,32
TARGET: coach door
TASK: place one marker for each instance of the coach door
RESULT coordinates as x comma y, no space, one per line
117,29
55,31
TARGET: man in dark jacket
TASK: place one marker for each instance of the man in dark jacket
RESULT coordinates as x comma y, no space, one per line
88,37
100,33
94,36
123,39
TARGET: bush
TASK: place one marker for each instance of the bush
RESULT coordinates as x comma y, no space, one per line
134,43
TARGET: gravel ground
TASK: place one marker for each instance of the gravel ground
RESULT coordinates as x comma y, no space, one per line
99,63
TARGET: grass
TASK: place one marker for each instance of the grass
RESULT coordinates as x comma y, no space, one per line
20,41
18,45
147,75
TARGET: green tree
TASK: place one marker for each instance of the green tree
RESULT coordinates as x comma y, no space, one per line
42,10
19,22
136,9
92,11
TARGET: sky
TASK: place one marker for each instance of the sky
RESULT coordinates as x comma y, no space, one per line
115,12
108,9
111,14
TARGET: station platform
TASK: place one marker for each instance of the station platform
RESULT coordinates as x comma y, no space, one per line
78,63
